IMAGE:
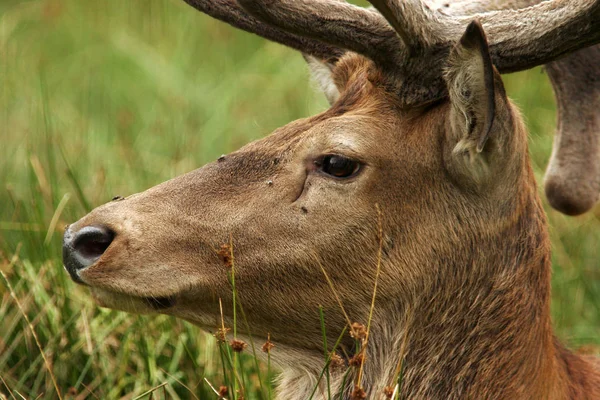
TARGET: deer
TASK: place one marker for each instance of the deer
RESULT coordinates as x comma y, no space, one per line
421,144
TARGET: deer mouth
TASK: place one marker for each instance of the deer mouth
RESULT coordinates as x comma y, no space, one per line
160,303
132,303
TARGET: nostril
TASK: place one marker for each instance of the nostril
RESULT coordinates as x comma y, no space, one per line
92,241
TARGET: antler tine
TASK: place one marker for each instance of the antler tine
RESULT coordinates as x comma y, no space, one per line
231,12
338,23
414,21
519,38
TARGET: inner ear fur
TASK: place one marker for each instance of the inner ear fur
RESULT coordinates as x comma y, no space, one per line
322,73
479,125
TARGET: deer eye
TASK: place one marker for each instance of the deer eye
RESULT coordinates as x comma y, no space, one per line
338,166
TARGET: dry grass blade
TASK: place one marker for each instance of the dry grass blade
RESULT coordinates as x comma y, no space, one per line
377,272
89,390
56,217
149,392
30,326
213,389
7,388
222,317
20,395
330,283
181,383
43,183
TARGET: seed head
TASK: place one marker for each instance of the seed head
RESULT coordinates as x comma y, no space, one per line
224,254
266,348
336,362
223,391
221,334
238,345
357,360
358,331
358,393
388,392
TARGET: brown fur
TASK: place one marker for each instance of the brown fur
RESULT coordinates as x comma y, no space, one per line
465,280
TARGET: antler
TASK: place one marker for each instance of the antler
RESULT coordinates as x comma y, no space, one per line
414,48
231,12
337,23
520,39
321,29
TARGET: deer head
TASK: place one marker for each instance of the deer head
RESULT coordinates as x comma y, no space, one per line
419,128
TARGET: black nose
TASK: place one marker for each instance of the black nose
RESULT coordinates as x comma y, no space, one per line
81,249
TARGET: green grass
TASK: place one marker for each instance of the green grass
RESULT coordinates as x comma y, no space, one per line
109,98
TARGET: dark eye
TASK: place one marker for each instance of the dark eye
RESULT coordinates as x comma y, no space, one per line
338,166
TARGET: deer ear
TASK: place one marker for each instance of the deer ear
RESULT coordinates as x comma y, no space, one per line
321,72
477,96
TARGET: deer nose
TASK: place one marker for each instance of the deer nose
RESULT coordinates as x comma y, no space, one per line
82,248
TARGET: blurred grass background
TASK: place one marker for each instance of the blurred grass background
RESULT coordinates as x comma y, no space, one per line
109,98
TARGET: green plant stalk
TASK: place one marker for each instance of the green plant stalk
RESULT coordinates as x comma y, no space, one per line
48,128
327,362
260,379
399,382
234,295
269,366
326,351
35,337
244,384
344,382
74,181
226,351
228,382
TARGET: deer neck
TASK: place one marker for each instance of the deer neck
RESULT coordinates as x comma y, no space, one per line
484,329
492,341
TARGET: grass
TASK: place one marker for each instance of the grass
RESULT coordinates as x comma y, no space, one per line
109,98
